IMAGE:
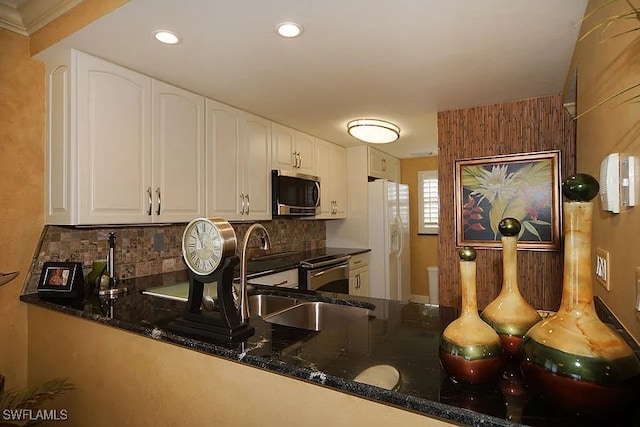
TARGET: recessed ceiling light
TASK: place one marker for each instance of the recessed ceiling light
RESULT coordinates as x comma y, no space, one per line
289,29
167,37
373,130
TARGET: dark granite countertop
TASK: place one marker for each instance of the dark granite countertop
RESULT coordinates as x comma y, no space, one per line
403,335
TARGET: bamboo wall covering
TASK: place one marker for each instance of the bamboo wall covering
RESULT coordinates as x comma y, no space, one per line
537,124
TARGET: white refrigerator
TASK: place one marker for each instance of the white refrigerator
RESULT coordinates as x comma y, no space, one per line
389,262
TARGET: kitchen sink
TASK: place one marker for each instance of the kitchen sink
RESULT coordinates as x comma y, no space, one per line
262,304
316,316
302,314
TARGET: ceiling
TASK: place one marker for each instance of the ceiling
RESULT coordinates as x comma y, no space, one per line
401,60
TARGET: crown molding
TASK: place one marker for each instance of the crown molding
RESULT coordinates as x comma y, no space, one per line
11,19
32,15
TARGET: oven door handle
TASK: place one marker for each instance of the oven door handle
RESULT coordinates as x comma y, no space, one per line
328,270
313,265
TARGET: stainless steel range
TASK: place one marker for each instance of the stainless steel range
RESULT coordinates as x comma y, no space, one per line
328,273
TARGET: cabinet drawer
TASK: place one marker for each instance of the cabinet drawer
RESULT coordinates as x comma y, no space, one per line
359,260
284,279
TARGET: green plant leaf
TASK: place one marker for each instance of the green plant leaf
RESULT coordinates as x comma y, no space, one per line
610,98
538,222
502,208
31,397
634,14
531,229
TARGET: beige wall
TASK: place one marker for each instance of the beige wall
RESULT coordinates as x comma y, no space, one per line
22,170
21,191
424,249
604,69
124,379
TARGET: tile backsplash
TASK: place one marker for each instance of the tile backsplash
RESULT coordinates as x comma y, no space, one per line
146,250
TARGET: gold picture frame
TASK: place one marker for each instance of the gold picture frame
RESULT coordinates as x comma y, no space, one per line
525,186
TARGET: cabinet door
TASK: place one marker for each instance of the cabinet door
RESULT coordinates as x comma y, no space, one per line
283,143
359,282
363,284
393,169
323,169
59,205
255,170
113,142
178,154
376,164
339,177
224,181
331,167
305,151
353,283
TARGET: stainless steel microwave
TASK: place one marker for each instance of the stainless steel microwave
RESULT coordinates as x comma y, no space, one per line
294,194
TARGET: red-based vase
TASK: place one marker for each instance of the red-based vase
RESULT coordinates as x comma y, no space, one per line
510,315
470,350
572,359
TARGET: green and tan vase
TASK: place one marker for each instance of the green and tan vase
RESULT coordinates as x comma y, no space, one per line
510,315
572,359
470,350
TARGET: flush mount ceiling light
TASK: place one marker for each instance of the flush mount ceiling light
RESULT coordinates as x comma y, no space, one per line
289,29
373,130
166,37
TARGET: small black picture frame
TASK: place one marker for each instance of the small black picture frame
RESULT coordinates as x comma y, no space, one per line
61,280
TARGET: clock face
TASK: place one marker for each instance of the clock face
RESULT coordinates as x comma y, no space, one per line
202,246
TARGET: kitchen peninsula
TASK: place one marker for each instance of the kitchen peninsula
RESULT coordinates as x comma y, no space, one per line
251,382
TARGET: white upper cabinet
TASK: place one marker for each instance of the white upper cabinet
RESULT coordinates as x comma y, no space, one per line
224,184
293,150
331,167
98,142
113,156
255,149
238,164
383,165
178,153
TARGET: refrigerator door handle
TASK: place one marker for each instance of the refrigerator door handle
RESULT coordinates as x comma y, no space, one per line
400,237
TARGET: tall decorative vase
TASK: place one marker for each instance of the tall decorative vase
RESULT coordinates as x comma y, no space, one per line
509,314
572,359
470,350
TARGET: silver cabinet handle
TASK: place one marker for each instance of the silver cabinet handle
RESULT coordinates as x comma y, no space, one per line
384,165
248,204
150,200
357,262
295,160
159,200
242,206
299,160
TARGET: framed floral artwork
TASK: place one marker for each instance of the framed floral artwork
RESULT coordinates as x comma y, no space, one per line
523,186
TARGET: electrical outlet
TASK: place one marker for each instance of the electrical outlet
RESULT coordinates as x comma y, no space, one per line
603,267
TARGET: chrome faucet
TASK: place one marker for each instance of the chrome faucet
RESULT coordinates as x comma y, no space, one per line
266,244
